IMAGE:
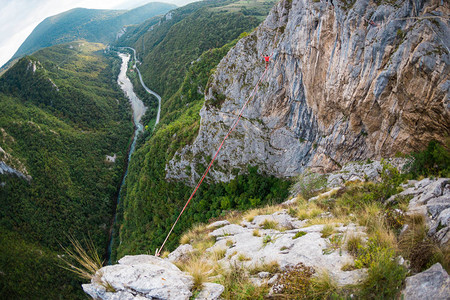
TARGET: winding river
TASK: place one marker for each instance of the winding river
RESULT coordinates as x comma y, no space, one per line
138,109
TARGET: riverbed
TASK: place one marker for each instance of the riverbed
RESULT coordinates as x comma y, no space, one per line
138,109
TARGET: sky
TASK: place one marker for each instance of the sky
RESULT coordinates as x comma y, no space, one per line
18,18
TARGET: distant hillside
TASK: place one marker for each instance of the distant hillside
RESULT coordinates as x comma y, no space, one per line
94,25
62,113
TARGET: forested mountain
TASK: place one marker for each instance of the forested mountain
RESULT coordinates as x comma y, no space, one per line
93,25
62,113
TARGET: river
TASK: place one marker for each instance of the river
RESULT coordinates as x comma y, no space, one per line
138,109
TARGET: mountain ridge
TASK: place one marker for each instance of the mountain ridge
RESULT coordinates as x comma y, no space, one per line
94,25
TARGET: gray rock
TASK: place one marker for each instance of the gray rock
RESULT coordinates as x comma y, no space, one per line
210,291
140,277
290,201
231,229
431,198
444,217
182,253
218,224
432,284
263,275
273,279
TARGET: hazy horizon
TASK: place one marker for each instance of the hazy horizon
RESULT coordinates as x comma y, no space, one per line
18,18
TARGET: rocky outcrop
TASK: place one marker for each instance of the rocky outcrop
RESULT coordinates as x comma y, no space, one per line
288,242
5,169
433,283
430,198
140,277
338,88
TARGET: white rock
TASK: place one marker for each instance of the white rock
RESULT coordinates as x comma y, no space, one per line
210,291
180,254
143,275
231,229
218,224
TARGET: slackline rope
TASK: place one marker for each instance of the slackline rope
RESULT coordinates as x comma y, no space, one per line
252,95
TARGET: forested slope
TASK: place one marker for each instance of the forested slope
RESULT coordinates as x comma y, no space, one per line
62,114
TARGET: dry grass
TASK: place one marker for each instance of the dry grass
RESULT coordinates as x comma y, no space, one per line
267,210
256,232
327,230
271,267
331,221
239,286
308,210
269,224
243,257
165,254
235,217
83,261
353,244
323,286
195,234
200,269
419,249
218,253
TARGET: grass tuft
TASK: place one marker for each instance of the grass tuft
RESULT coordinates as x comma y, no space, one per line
299,234
83,261
269,224
327,230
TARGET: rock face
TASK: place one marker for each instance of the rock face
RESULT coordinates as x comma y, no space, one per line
430,198
433,283
337,89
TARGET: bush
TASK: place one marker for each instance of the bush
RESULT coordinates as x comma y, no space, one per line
385,276
308,184
294,282
434,160
419,249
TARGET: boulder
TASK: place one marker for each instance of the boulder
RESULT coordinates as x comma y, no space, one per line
210,291
218,224
180,254
140,277
432,284
231,229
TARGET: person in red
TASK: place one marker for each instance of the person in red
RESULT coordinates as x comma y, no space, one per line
267,59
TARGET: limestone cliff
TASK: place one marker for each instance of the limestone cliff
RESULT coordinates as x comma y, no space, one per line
360,79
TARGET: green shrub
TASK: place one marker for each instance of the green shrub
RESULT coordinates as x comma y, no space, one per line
299,234
237,285
434,160
353,244
327,231
385,276
308,184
